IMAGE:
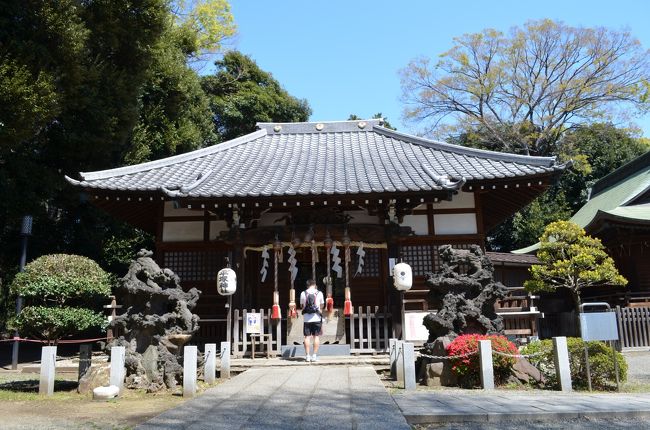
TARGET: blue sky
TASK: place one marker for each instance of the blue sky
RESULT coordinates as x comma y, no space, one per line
344,56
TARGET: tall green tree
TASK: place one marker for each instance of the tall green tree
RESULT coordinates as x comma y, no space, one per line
525,89
241,94
572,260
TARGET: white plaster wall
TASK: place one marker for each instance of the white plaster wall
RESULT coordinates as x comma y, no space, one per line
183,231
460,200
418,223
217,227
170,211
454,223
362,217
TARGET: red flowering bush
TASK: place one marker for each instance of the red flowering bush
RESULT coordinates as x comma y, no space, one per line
467,368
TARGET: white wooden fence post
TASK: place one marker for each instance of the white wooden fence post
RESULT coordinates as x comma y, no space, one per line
399,362
210,368
392,351
189,371
225,360
118,372
48,369
561,358
487,369
408,354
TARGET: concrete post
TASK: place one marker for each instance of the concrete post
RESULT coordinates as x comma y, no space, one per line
392,350
409,365
399,362
225,360
561,358
85,357
487,369
48,369
118,371
189,371
209,371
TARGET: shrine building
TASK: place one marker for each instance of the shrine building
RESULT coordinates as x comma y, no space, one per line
291,201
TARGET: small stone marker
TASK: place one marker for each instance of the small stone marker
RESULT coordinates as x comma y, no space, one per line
399,362
210,368
487,369
189,371
85,359
408,362
48,369
105,393
118,371
561,359
392,351
225,360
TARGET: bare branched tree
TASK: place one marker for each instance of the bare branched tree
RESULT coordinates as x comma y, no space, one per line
525,89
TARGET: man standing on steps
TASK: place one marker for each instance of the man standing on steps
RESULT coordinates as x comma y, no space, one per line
311,302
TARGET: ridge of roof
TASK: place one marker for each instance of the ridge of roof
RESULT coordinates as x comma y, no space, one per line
357,125
620,174
103,174
464,150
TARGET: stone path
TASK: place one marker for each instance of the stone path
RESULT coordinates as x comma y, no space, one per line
312,397
478,406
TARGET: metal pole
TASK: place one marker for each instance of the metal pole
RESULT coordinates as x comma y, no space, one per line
588,367
403,336
25,232
618,382
229,320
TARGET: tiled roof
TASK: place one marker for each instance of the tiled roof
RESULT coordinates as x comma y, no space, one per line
613,197
505,258
305,159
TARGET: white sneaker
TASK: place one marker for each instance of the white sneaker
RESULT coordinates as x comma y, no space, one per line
307,358
314,358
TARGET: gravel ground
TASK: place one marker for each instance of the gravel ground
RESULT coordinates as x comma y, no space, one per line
638,366
571,424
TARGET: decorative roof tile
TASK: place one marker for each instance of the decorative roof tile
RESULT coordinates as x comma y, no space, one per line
326,158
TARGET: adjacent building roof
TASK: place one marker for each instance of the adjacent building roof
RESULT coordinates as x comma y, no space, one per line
619,196
307,159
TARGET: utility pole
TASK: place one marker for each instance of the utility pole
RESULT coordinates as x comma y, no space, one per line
25,232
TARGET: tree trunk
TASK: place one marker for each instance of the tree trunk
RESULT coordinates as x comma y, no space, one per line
577,302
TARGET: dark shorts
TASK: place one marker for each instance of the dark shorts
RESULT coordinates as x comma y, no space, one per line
313,328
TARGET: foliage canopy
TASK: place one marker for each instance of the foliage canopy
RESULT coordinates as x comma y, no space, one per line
571,259
63,295
525,89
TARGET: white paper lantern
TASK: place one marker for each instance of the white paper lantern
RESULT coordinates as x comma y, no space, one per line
402,276
226,282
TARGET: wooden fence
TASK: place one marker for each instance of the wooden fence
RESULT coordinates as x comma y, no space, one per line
369,331
241,340
633,326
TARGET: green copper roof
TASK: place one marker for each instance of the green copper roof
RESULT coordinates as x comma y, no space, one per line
614,198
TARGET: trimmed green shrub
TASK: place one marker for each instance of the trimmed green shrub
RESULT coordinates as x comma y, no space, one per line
63,296
468,368
601,363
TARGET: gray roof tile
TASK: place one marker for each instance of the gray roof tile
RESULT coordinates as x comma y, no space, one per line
300,159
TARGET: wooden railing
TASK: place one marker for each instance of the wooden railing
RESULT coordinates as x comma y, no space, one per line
369,331
633,326
241,342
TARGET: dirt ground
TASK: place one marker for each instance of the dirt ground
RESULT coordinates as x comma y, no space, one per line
22,408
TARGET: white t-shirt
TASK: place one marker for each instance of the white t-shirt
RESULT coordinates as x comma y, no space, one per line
320,301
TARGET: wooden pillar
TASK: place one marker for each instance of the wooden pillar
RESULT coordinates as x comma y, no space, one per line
394,297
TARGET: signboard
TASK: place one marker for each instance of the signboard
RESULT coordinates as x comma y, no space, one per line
598,326
254,323
414,329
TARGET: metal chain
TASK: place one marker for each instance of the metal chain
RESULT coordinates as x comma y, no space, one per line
447,357
535,354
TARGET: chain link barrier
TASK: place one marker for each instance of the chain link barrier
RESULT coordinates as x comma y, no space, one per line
534,354
446,357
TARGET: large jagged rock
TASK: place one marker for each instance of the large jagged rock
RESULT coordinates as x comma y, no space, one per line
464,292
157,323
